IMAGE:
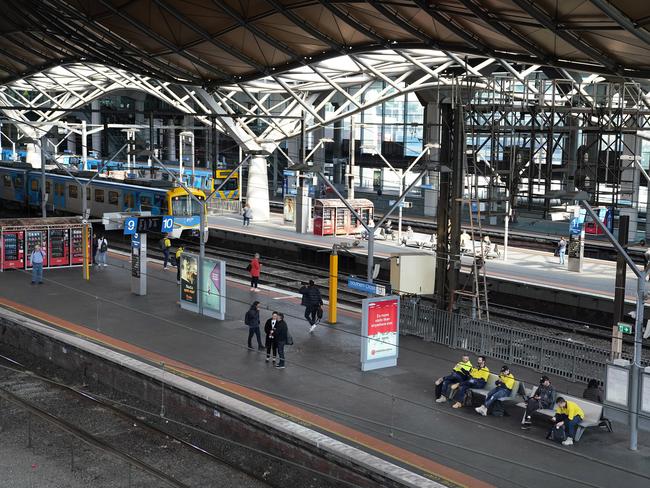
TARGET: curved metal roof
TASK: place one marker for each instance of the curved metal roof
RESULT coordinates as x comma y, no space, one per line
224,41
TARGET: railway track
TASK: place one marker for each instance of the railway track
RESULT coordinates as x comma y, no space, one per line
160,457
284,275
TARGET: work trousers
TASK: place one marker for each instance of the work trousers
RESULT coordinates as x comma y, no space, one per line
254,331
496,394
466,385
447,381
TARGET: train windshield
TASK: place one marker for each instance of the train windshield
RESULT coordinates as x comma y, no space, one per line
185,206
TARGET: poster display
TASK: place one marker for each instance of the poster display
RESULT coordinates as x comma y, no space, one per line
380,332
289,209
189,282
213,288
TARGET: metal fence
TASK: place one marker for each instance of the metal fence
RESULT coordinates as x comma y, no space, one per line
561,357
221,207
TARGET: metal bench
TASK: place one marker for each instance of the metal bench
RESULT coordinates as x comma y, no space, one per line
492,383
593,413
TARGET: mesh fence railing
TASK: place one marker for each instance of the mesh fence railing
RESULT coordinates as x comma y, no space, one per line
569,359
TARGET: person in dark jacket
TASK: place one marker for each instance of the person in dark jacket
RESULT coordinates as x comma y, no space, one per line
543,398
281,335
312,301
252,319
271,343
593,392
95,248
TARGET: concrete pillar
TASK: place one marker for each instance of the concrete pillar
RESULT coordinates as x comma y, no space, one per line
170,142
257,192
96,119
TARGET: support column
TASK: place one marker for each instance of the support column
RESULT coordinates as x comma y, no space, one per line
257,192
432,131
96,119
71,142
571,153
170,142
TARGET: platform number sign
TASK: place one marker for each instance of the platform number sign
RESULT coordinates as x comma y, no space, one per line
167,224
130,225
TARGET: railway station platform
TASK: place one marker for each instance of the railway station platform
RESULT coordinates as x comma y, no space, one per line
524,266
388,412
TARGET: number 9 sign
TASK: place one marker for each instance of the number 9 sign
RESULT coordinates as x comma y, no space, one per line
167,224
130,224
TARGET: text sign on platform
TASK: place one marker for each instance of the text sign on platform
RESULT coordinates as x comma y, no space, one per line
130,225
379,332
366,287
142,225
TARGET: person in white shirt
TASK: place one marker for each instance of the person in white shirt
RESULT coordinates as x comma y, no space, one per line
102,250
271,343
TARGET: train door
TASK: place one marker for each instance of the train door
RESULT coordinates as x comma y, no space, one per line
19,187
59,248
158,204
34,190
34,237
58,198
12,246
129,203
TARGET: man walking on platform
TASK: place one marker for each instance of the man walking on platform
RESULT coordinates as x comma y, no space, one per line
252,319
561,249
312,300
179,251
37,257
166,245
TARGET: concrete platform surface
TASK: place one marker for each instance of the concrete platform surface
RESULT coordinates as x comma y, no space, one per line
388,412
523,265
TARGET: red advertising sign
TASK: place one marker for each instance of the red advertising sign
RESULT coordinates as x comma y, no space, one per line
380,331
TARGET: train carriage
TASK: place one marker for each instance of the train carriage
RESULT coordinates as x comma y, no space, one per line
23,186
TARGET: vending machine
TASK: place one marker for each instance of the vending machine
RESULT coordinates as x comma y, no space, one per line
34,237
59,250
12,247
77,249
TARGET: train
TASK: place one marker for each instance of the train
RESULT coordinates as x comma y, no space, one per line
21,185
200,178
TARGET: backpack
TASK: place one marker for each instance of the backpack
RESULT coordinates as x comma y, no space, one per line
472,400
497,409
557,435
104,246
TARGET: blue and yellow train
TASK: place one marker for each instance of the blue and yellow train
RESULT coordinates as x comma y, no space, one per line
21,185
200,178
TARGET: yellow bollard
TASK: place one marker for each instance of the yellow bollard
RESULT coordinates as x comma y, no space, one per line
86,252
334,283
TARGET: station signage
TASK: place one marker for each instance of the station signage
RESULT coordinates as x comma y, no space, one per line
366,287
141,225
379,332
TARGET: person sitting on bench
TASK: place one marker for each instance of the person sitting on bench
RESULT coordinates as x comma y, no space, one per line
503,389
568,415
459,374
478,377
543,398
